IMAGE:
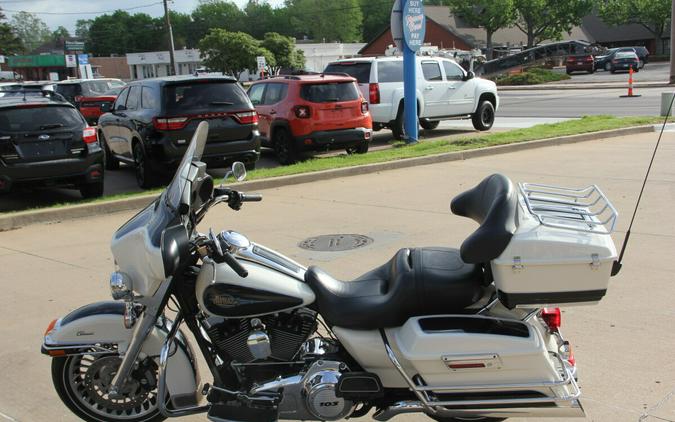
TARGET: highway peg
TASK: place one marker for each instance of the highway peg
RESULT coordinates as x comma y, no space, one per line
630,85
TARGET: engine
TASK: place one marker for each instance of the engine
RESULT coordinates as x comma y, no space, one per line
276,337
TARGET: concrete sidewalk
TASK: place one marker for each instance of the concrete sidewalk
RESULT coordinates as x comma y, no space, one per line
623,345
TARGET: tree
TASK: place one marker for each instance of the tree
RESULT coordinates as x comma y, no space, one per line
32,31
490,15
653,15
232,52
182,25
284,52
217,14
327,20
376,17
60,34
546,19
121,33
260,18
10,43
82,27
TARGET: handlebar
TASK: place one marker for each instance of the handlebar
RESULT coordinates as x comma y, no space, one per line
250,197
235,265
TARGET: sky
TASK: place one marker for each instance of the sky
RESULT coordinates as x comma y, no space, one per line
66,12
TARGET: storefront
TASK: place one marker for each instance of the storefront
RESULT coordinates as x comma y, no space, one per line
41,67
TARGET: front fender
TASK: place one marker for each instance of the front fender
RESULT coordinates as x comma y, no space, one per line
97,325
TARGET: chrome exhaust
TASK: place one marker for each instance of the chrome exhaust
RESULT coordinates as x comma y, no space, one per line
572,410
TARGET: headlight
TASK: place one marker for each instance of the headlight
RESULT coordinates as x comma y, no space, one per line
120,286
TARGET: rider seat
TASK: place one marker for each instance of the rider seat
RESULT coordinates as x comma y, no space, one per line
425,281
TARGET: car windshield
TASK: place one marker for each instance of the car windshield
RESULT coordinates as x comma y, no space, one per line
30,119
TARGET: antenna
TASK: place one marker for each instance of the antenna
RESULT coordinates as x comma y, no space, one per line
616,266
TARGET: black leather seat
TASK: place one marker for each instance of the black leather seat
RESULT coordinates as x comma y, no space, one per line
414,282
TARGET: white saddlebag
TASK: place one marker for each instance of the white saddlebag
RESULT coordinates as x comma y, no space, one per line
561,252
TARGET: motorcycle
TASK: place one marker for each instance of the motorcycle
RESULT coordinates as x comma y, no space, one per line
455,334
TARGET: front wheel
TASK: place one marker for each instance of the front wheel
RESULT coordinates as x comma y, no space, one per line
429,124
484,117
144,175
284,147
82,383
111,163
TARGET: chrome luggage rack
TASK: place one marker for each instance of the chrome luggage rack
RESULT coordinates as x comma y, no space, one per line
584,210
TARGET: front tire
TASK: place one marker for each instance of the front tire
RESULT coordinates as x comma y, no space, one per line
81,383
144,175
429,124
111,163
484,117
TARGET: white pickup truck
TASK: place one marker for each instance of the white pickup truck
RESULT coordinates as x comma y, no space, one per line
444,91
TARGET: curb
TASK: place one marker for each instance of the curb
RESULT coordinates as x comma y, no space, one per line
24,218
563,86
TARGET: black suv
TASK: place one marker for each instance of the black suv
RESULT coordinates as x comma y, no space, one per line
73,90
45,141
152,121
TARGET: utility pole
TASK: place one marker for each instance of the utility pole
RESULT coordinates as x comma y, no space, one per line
672,43
171,46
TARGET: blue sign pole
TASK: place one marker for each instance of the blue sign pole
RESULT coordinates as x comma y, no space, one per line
413,33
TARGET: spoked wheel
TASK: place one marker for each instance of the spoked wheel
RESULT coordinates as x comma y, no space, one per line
83,382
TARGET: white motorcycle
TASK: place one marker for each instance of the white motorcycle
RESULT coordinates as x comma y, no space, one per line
454,334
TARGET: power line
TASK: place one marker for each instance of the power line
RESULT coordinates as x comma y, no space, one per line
101,12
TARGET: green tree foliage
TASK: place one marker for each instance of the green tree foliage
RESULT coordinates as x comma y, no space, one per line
547,19
232,52
181,25
60,34
212,14
121,33
490,15
32,31
82,27
654,15
10,43
327,20
376,17
262,18
284,51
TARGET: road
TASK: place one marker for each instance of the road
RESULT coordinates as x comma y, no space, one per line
623,346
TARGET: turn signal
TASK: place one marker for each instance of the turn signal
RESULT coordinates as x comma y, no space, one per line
552,317
89,135
50,327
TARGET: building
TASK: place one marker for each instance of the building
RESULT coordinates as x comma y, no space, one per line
318,55
41,67
110,67
158,63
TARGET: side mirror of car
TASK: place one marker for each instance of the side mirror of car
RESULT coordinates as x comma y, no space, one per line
106,107
469,75
120,108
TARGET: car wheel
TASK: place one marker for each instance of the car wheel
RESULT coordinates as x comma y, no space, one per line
429,124
92,190
144,176
608,66
397,127
111,163
612,71
484,117
361,148
284,147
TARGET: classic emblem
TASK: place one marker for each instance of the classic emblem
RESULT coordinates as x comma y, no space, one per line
43,137
224,300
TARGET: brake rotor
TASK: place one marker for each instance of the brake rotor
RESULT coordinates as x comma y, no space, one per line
133,393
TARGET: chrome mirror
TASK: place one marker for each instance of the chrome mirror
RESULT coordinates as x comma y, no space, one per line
239,171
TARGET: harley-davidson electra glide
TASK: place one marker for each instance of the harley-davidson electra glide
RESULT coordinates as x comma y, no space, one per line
454,334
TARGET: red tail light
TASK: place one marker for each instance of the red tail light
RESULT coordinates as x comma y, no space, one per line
169,123
364,107
302,112
589,58
552,317
570,59
246,117
89,135
374,93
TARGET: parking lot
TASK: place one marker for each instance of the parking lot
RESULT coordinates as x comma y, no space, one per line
623,345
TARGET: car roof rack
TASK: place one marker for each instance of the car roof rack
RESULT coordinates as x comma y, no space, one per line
45,93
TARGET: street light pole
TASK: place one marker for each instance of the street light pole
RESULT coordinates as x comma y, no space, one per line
672,42
171,46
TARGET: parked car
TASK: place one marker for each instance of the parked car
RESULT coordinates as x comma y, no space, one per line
576,63
92,107
152,120
45,141
604,61
311,113
74,89
624,61
444,91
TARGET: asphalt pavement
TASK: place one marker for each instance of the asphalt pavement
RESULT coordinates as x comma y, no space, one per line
623,346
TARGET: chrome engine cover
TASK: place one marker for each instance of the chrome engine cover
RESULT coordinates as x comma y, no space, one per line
319,391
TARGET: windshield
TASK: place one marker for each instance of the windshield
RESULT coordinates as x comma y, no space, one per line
176,190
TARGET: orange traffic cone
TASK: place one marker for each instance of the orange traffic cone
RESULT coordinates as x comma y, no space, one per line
630,85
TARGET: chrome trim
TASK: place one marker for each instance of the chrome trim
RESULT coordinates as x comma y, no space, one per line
164,356
100,350
276,384
234,241
249,254
398,408
120,286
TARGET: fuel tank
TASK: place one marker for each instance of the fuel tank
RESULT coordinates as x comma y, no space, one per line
222,292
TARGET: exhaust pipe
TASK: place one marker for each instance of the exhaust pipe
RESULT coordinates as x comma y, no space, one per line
571,410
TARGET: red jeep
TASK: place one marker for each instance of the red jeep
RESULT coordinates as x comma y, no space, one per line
311,113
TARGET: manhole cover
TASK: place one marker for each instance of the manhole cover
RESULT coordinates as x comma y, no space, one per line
335,242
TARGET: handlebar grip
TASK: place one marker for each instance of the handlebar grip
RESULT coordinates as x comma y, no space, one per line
235,265
221,191
251,197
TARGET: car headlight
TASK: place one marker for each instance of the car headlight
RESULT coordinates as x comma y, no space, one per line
120,286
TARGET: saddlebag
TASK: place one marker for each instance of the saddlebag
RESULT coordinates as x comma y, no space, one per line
561,251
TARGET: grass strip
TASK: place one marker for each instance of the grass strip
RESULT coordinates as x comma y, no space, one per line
400,151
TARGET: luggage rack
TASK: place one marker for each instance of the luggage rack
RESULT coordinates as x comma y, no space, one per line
584,210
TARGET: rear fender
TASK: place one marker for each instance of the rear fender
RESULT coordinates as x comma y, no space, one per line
99,326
